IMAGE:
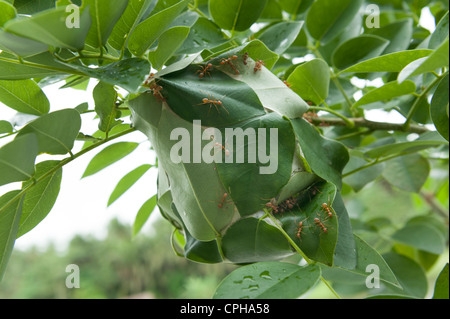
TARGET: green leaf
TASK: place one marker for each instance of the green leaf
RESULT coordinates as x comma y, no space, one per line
311,81
236,15
404,147
168,44
440,34
423,236
408,173
108,156
104,15
441,287
387,92
148,31
9,224
393,62
32,6
410,275
143,214
252,240
40,199
17,159
360,179
50,27
7,12
268,280
24,96
128,74
440,108
201,251
358,49
366,256
133,14
105,106
127,182
19,45
279,37
317,244
438,59
398,33
338,15
204,34
327,158
295,7
5,127
56,132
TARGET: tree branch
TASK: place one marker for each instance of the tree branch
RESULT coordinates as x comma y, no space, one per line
362,122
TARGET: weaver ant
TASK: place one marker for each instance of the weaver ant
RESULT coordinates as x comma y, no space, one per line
258,65
213,102
157,91
221,147
300,229
204,71
245,58
224,200
320,224
272,204
326,207
229,61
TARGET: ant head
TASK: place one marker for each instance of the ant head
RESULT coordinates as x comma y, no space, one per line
205,100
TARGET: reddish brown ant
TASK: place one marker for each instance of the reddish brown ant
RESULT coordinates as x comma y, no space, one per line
157,91
320,224
287,84
221,147
258,65
245,58
205,71
301,225
326,207
272,205
224,200
213,102
229,61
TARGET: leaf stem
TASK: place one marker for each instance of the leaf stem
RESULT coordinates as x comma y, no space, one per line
349,122
62,164
416,104
306,258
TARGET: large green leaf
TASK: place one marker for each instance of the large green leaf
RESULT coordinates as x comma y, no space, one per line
387,92
201,251
268,280
198,195
56,132
133,14
17,159
5,127
326,19
148,31
311,81
398,33
236,15
108,156
440,34
105,106
310,227
168,43
403,148
104,15
143,214
295,6
438,59
440,108
441,287
50,27
407,172
128,73
393,62
251,240
19,45
421,235
327,158
279,37
7,12
24,96
40,199
9,224
33,6
358,49
127,182
410,275
366,256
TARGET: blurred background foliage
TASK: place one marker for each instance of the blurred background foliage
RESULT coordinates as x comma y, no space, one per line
119,266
